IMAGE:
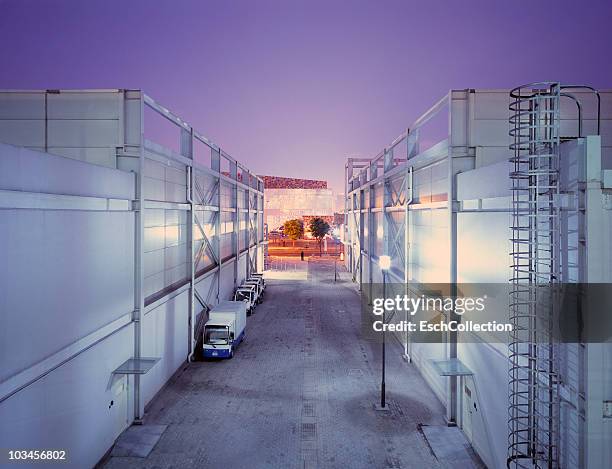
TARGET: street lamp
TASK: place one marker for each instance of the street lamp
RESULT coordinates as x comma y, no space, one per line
384,262
335,269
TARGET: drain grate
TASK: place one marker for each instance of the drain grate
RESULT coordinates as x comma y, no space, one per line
397,409
356,372
308,409
309,431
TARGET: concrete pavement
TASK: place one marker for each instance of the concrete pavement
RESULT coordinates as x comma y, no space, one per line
299,392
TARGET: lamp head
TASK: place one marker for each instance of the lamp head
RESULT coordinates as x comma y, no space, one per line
384,262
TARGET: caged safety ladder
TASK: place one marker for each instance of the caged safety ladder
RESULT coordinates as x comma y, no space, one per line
533,392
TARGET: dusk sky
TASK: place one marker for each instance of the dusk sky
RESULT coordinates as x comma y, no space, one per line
291,88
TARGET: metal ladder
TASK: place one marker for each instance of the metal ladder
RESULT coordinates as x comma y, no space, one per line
534,174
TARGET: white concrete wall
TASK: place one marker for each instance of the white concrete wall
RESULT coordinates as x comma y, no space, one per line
479,124
67,296
83,125
165,334
66,283
226,290
70,408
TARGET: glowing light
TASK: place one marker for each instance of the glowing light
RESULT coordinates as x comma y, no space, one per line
384,262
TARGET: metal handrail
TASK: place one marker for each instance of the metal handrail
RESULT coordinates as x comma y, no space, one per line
176,120
597,95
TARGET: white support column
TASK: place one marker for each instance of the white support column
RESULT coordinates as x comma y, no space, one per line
216,166
348,235
190,256
598,381
371,231
187,151
359,227
387,200
451,396
248,226
138,268
236,220
407,202
460,158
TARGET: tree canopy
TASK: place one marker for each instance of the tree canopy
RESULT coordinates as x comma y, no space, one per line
318,228
294,229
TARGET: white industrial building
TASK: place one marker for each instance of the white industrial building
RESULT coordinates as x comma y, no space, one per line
114,245
520,195
122,225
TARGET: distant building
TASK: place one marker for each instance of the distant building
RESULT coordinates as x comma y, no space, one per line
277,182
338,218
339,201
289,198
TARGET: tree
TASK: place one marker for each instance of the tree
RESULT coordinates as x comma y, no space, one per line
318,228
294,229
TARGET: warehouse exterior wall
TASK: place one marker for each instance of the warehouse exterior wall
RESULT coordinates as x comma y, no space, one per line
69,408
398,205
117,245
67,302
85,125
165,332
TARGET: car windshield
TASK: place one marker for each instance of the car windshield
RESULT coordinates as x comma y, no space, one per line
215,335
240,295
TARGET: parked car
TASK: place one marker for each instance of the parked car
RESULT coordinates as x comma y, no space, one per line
248,294
263,281
258,284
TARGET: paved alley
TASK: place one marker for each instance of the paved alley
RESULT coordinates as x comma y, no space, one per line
299,393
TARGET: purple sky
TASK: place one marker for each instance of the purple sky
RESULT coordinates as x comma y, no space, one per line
292,88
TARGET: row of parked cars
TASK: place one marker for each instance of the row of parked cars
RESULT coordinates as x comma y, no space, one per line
226,325
251,291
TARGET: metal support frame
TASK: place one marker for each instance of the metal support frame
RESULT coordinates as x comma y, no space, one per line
248,232
534,422
199,199
236,225
134,153
192,265
139,268
386,171
409,187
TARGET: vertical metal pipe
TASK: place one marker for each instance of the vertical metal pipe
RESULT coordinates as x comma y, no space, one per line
190,240
408,201
218,227
371,233
247,227
47,121
348,239
360,226
451,411
236,221
138,267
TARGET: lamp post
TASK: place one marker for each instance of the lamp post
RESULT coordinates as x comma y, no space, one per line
335,269
384,262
